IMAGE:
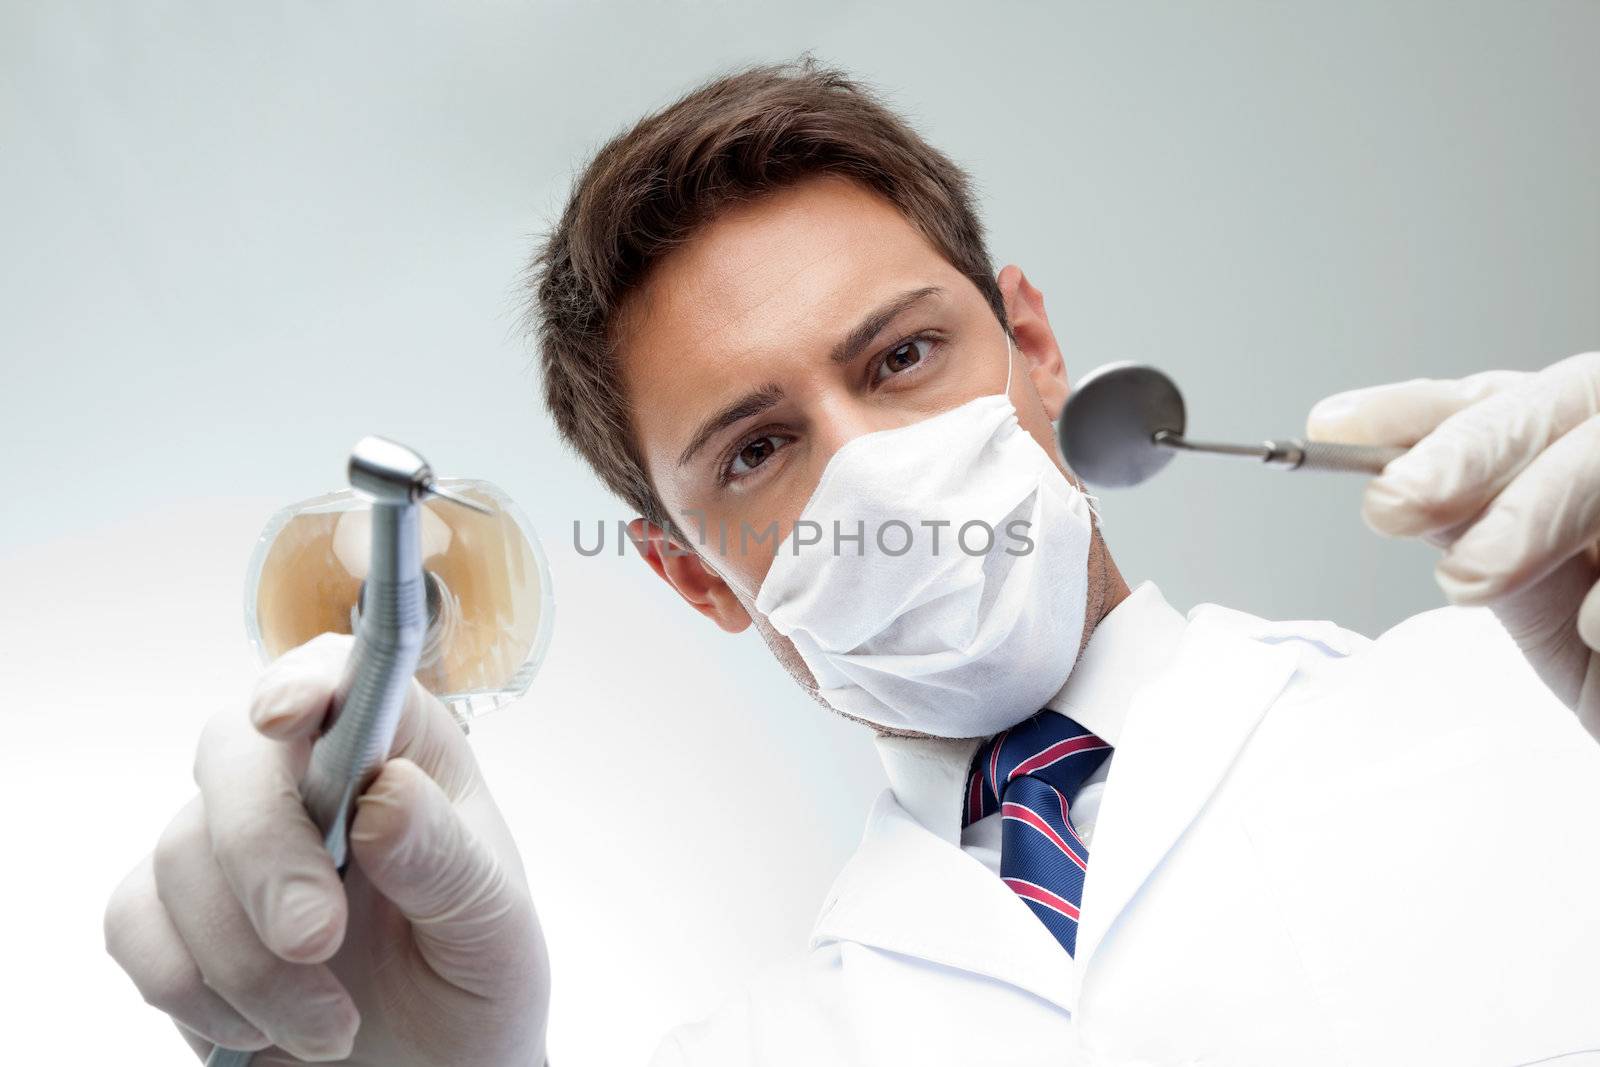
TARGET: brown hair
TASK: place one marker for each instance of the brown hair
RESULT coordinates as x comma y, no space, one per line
648,189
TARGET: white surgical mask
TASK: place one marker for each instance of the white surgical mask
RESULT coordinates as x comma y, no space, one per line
924,623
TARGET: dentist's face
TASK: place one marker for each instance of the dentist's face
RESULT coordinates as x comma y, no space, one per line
783,330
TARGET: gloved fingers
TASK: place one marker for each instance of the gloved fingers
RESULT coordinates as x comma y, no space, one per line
1456,470
142,939
1538,617
429,736
249,774
1588,708
300,1007
1547,515
202,1047
1402,413
1589,618
263,841
290,699
471,917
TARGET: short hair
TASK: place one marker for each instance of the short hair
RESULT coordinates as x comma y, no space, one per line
647,191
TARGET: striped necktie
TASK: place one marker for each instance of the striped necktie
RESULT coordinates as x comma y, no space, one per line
1028,773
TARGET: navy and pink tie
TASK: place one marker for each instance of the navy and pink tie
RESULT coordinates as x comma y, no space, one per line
1028,773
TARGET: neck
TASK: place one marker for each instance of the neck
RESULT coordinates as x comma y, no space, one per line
1107,587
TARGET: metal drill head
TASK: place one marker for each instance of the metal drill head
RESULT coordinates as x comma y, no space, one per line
1108,427
391,473
388,471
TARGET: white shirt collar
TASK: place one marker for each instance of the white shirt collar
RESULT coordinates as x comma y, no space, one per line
1138,636
1132,643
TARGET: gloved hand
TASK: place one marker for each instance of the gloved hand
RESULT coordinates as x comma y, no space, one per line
1504,476
237,925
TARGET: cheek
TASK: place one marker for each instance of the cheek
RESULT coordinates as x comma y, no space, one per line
739,533
746,563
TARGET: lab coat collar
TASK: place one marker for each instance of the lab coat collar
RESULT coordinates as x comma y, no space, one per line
1185,726
910,889
910,892
1179,723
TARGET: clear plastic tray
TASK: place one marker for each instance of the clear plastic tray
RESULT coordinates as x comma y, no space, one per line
491,606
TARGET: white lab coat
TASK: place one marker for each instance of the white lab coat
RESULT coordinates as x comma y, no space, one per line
1313,848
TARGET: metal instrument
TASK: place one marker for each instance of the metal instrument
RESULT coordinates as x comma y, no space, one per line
365,708
1125,421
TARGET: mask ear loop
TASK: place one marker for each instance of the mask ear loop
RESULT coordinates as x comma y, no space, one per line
1076,482
1011,351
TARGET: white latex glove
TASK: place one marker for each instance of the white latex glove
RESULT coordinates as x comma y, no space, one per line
1504,476
238,927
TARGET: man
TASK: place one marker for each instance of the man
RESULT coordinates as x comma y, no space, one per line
1114,834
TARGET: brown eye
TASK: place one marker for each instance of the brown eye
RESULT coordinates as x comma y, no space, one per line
752,455
902,358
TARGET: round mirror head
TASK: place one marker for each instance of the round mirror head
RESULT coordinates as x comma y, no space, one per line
1108,426
490,606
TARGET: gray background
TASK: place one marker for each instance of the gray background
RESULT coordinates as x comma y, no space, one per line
237,238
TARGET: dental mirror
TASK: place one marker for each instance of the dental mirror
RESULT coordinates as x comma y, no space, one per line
1125,421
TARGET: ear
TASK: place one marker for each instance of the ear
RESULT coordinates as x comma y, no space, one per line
1035,339
700,586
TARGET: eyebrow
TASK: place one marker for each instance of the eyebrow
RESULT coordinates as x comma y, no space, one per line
868,328
846,350
743,408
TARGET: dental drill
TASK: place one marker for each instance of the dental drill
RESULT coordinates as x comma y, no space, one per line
365,708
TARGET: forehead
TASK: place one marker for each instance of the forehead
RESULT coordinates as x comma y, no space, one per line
777,279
